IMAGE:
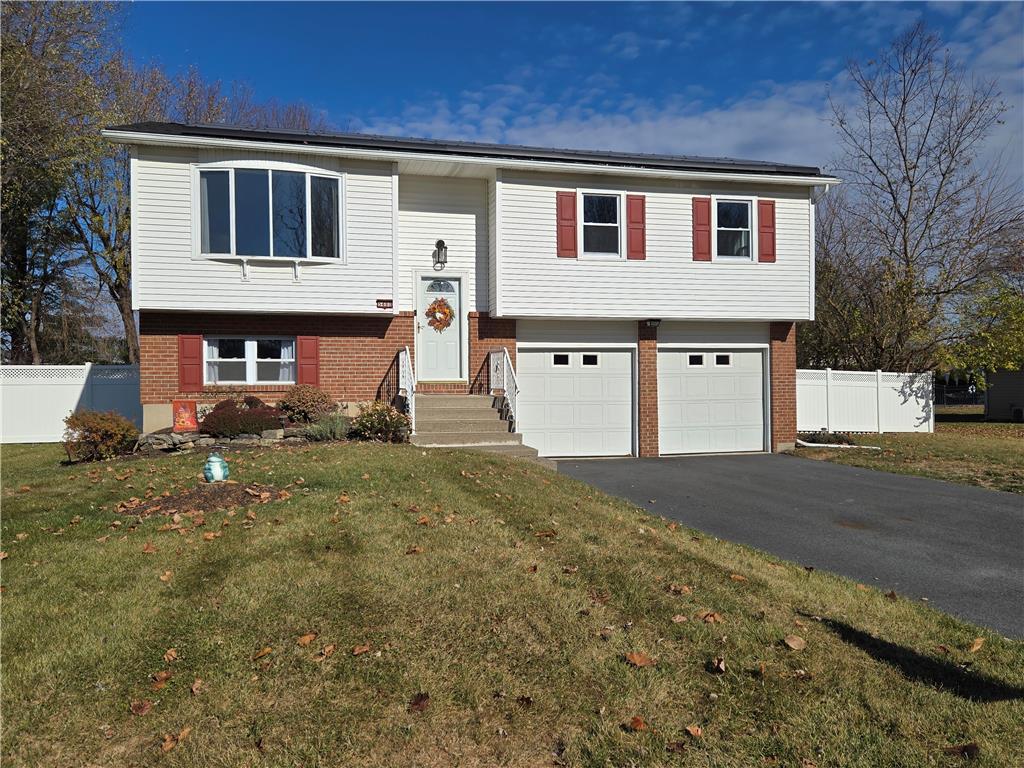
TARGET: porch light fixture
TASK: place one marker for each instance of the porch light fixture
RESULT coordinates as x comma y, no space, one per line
440,255
652,323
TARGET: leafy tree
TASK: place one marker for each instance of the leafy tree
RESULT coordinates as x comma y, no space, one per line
903,252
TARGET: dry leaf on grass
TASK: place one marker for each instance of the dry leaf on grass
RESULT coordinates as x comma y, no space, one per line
679,589
549,534
419,702
171,740
795,642
415,549
679,618
891,594
166,576
635,724
570,569
197,685
694,730
639,659
423,520
737,577
265,651
976,645
140,707
160,679
306,639
359,650
211,535
716,665
968,751
712,617
326,652
170,655
148,548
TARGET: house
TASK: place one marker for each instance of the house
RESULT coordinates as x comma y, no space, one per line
1004,395
622,304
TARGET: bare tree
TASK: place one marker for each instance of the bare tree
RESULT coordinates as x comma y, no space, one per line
921,224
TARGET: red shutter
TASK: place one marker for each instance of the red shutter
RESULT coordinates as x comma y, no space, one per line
702,229
565,217
766,230
307,360
636,227
190,363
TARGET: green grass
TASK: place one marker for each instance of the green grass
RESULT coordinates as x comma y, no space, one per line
518,639
986,454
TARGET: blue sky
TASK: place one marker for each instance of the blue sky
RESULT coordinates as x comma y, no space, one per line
734,79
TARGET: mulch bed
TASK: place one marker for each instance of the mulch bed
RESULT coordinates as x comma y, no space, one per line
207,497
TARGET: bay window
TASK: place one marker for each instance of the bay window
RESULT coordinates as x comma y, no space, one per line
249,360
271,213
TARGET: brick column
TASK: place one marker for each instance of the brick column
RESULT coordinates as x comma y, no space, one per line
647,388
782,350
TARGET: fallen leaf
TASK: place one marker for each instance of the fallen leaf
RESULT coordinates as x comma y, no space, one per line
306,639
712,617
676,746
976,645
737,577
170,655
327,651
160,679
211,535
943,648
3,555
968,751
549,534
694,730
103,539
21,536
636,723
679,618
423,520
419,702
359,650
863,587
140,707
524,701
166,576
148,548
795,642
679,589
716,665
197,685
264,651
414,550
638,659
672,526
891,594
531,568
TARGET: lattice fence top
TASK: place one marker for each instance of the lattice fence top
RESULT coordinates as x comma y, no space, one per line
42,373
115,372
811,376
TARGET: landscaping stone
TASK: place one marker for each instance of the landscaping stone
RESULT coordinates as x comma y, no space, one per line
293,432
205,441
272,434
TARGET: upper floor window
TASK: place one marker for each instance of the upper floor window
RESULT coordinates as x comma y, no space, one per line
259,212
601,216
733,229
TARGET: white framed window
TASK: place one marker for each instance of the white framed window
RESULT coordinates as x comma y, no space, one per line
734,224
560,359
280,211
249,359
723,360
695,360
600,223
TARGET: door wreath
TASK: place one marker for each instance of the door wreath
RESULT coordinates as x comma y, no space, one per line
440,314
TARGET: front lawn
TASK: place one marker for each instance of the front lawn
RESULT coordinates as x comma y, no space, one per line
386,606
987,454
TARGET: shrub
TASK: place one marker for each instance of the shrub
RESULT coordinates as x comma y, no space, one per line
229,419
305,403
92,435
251,401
383,422
330,426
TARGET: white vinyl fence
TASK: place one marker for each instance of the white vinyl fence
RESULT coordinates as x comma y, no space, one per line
864,401
34,399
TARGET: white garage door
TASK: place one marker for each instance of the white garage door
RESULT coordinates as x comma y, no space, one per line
576,402
710,401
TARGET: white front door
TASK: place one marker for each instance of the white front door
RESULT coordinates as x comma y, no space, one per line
575,401
439,329
710,400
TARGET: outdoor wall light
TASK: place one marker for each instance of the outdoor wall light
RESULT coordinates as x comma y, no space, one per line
653,323
440,255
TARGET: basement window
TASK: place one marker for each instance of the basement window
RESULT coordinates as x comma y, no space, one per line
252,360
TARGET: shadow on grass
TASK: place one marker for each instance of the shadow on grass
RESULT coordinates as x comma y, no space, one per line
917,668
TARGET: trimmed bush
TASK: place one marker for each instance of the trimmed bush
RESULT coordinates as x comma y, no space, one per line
228,419
305,403
330,426
382,422
93,435
251,401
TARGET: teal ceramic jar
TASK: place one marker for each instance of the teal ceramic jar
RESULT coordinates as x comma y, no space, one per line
216,469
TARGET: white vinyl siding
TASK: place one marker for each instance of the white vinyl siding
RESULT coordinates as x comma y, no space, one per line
668,283
432,208
166,274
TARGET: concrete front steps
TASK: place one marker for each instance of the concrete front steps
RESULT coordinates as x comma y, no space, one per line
467,421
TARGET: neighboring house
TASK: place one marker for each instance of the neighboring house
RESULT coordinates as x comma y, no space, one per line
1004,396
647,303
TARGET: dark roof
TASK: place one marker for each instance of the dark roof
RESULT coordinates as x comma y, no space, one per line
472,148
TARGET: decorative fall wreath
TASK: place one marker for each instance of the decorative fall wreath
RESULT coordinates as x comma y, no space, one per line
440,314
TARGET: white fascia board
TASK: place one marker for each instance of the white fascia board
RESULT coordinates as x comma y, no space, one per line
135,137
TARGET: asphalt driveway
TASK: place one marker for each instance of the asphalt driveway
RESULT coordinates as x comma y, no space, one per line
958,546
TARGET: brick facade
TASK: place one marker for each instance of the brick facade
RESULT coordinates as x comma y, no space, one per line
782,351
647,389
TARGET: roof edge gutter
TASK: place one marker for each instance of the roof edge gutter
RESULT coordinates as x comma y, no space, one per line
152,139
